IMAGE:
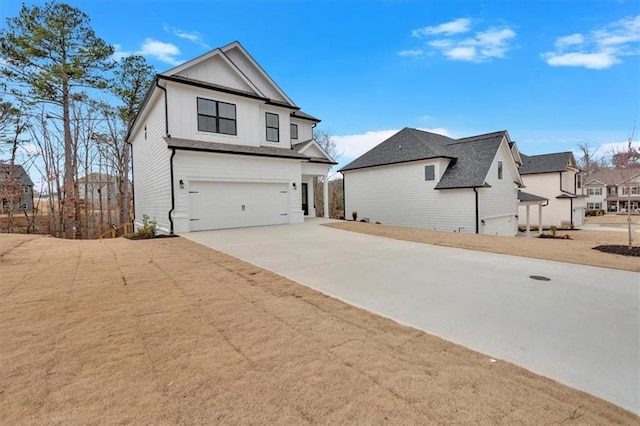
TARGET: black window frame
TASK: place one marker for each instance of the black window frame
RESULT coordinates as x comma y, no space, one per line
500,170
291,127
217,117
430,173
277,129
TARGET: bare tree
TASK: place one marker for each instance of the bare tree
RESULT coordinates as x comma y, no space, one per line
588,162
624,170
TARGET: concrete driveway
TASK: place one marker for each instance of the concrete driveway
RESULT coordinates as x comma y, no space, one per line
581,328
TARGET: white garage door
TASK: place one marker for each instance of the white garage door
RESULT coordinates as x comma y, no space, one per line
503,226
218,205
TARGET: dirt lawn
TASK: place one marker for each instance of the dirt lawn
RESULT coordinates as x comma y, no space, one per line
577,250
170,332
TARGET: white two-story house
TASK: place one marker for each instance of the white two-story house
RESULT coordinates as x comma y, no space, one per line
218,144
613,191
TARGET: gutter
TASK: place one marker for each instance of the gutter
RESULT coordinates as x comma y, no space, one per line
475,189
344,199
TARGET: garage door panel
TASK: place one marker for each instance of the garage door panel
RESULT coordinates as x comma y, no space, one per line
218,205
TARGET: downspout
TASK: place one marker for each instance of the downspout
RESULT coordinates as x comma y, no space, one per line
571,210
173,153
344,199
173,198
133,187
477,211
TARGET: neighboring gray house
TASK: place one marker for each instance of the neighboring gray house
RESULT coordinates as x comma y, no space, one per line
421,179
17,174
99,189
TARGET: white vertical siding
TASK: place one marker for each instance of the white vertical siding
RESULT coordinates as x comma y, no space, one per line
256,77
217,70
151,171
399,195
212,167
500,202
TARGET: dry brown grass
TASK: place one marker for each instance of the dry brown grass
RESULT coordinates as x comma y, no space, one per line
612,219
169,332
577,250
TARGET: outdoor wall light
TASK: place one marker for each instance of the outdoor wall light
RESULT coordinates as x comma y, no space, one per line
295,186
181,184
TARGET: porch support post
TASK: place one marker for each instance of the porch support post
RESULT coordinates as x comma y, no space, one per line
540,219
325,188
528,222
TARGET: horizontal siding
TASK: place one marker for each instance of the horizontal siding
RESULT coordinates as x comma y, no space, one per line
151,171
210,167
399,195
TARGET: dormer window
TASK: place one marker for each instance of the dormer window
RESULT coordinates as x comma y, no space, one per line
273,127
216,117
294,131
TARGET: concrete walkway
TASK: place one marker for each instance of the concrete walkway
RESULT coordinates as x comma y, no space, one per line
581,328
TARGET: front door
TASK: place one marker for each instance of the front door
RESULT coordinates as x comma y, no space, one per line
305,200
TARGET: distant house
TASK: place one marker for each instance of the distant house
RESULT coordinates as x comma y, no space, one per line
605,191
16,188
425,180
557,178
99,189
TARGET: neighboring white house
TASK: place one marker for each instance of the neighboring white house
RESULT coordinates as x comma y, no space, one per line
613,191
425,180
555,177
217,144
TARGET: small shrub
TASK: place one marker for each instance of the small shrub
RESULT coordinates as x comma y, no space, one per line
148,230
553,230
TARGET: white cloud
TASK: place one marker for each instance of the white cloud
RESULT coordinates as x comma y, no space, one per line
165,52
600,49
594,61
457,26
607,149
353,146
570,40
193,36
411,52
118,53
482,46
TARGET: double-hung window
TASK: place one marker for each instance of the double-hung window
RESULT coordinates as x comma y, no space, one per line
273,127
294,131
430,172
216,117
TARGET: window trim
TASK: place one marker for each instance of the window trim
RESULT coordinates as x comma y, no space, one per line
277,129
426,172
291,127
217,116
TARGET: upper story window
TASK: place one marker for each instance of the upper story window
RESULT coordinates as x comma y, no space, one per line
430,172
216,117
578,181
594,191
273,127
499,169
294,131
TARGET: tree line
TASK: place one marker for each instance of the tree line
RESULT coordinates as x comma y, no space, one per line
65,107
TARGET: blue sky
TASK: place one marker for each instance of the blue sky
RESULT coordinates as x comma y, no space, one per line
552,73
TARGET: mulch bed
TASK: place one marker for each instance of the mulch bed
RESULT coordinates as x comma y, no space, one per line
619,249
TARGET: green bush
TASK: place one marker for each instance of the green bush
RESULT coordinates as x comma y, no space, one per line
149,229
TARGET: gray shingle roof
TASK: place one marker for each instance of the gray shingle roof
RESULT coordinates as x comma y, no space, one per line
305,116
545,163
262,151
18,172
525,196
471,157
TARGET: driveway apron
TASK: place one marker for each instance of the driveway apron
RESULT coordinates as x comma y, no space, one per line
581,327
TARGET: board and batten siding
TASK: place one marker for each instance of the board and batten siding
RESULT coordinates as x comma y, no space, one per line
253,73
500,201
399,195
305,129
250,117
218,70
151,170
212,167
